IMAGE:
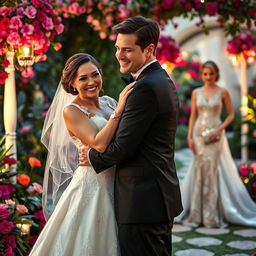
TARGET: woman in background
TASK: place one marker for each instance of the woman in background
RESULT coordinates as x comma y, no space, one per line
212,192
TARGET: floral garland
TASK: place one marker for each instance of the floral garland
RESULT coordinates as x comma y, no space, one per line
244,43
29,23
102,15
167,50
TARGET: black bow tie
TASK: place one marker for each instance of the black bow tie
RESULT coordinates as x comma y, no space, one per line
128,80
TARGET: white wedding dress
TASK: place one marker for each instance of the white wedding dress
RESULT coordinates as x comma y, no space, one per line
83,222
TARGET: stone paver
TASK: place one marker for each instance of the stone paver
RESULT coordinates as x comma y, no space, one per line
180,228
194,252
242,245
212,231
204,241
246,232
236,254
176,239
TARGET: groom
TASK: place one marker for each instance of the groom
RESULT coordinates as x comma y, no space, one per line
147,192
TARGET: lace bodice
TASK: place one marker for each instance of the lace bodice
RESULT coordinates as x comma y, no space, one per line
99,121
209,111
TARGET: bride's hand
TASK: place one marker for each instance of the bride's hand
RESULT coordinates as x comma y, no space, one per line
214,136
123,97
191,145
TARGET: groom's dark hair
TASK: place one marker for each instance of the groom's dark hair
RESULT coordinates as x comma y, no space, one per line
146,30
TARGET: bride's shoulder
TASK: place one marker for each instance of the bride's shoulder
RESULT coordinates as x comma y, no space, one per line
111,102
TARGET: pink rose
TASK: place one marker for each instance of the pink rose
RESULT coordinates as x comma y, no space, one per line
10,241
35,189
253,166
6,227
15,23
212,8
14,40
4,214
30,12
74,8
9,252
25,129
4,206
28,73
193,74
41,57
4,10
59,28
47,23
21,209
20,12
27,29
243,170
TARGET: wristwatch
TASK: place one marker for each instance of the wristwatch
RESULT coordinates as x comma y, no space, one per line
115,116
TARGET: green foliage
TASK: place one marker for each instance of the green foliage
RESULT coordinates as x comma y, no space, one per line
187,78
235,139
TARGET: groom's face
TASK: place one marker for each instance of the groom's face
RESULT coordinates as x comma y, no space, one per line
129,55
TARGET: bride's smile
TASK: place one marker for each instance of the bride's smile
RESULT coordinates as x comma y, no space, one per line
88,81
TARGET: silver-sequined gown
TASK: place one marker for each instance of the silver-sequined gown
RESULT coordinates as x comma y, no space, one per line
212,192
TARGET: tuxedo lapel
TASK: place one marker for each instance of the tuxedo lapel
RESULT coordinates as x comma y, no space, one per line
154,66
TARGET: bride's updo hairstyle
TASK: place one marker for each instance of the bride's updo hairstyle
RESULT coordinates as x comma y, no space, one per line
69,72
212,65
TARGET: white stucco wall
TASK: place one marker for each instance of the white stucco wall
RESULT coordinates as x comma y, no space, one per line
210,47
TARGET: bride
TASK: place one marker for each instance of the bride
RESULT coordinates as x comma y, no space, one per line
83,221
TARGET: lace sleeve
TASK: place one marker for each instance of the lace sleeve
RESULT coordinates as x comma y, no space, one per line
112,103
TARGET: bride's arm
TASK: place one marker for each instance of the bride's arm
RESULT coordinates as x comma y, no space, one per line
192,120
229,109
82,128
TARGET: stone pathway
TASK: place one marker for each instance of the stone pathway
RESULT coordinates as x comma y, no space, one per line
204,241
239,246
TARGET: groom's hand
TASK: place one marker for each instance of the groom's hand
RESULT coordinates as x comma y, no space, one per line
83,156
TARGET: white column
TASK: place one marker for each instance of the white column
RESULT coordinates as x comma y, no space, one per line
10,109
244,109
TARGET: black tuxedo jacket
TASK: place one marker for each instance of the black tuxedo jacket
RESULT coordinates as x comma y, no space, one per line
146,184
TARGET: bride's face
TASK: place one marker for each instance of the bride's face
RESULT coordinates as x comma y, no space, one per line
88,81
209,76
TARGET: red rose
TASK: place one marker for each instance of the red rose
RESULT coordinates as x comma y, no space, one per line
4,192
32,240
9,252
34,162
10,241
23,179
6,227
4,214
9,160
